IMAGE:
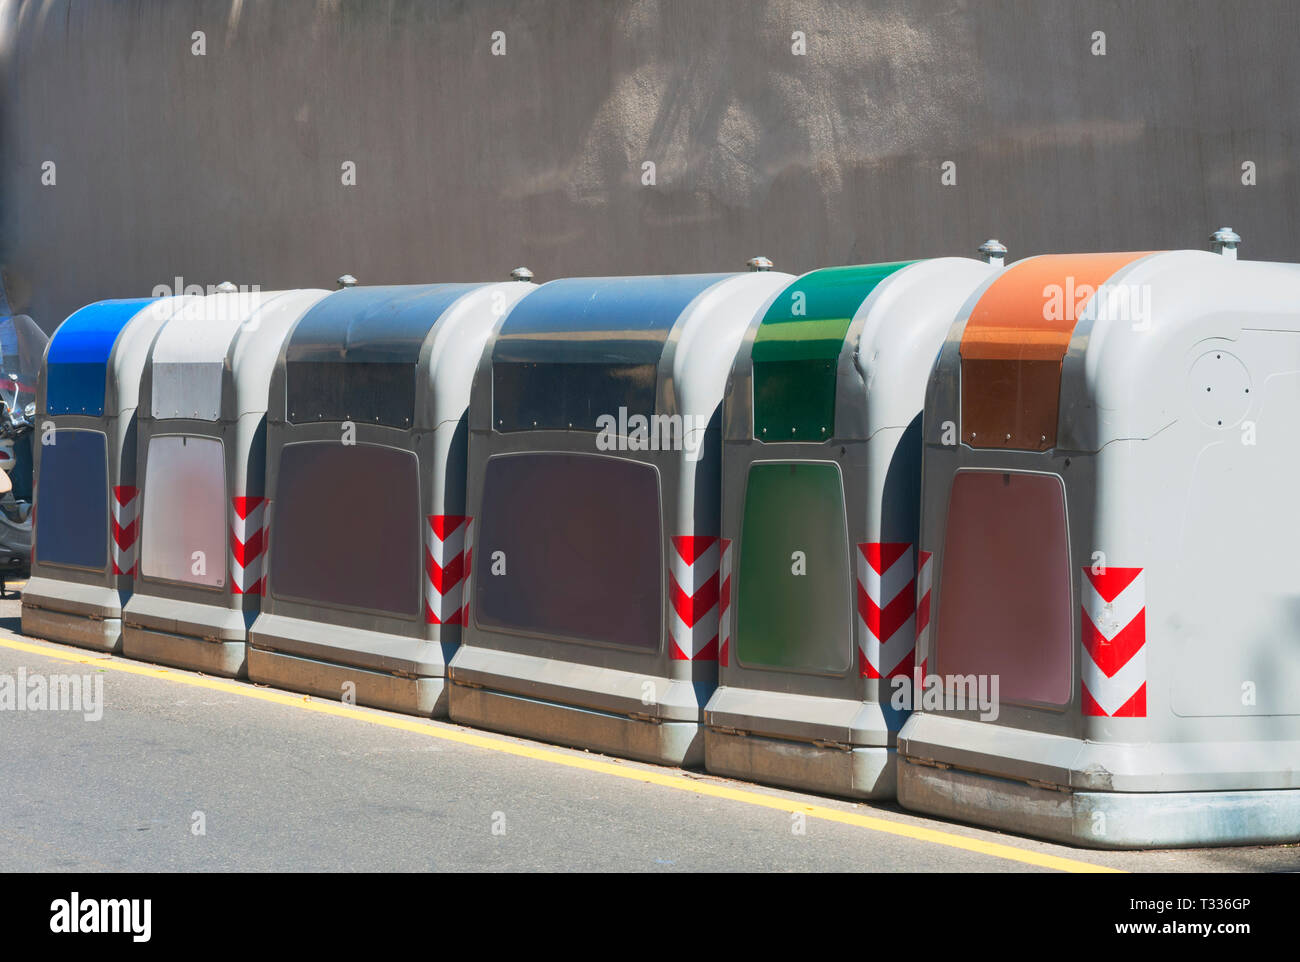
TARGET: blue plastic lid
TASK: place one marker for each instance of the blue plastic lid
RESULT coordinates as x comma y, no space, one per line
76,367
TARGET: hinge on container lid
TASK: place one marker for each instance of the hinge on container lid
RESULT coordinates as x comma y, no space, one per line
837,745
644,717
726,730
928,763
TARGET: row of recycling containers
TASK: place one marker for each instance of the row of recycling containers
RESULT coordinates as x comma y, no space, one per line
1016,545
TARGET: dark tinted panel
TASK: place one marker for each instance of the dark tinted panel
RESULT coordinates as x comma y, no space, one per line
794,400
579,542
345,526
72,500
366,393
535,396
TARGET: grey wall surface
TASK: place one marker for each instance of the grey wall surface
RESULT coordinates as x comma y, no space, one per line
227,166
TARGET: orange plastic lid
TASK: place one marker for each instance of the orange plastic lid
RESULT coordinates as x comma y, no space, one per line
1015,341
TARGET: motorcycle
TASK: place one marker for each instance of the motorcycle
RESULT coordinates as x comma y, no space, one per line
22,348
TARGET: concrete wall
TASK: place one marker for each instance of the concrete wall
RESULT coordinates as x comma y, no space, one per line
227,166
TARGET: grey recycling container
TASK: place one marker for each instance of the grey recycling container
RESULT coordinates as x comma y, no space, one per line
593,481
1108,500
201,443
820,510
86,511
367,528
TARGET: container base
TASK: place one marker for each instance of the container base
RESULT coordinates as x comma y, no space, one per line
412,696
1102,820
227,659
657,742
862,772
98,634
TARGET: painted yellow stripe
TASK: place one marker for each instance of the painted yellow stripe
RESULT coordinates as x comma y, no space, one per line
681,783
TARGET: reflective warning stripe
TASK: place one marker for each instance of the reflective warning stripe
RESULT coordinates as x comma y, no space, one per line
247,545
126,528
724,604
924,581
886,608
448,545
1114,643
693,566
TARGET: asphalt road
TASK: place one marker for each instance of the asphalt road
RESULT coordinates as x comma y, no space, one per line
289,783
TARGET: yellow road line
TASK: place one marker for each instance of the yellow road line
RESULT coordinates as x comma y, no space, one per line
681,783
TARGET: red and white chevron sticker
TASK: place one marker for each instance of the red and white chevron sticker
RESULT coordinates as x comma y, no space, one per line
126,528
247,546
886,608
724,604
693,589
1114,643
924,582
448,550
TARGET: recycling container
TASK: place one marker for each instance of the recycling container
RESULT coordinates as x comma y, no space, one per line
1108,499
820,506
593,481
87,496
201,453
367,527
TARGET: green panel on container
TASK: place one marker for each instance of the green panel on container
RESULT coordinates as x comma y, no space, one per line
798,346
794,611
